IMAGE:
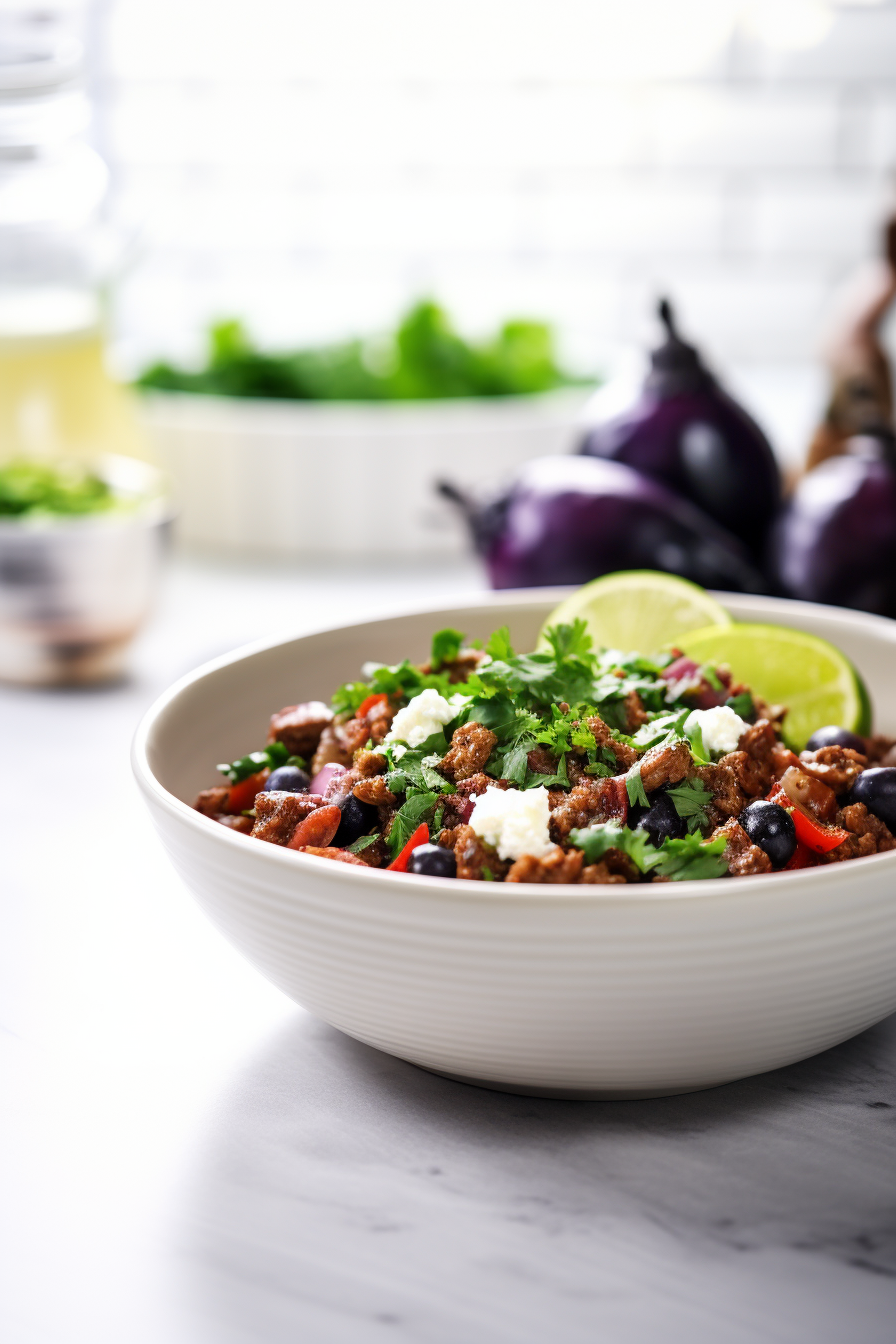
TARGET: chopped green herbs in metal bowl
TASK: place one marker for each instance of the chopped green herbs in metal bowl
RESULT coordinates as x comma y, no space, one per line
31,489
569,765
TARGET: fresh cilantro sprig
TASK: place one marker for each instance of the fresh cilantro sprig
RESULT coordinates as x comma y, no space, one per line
688,858
418,807
595,840
362,842
692,858
634,787
446,645
742,704
400,682
273,755
692,800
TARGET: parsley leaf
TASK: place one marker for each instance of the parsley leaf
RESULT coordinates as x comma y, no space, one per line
446,645
649,734
679,860
742,704
691,800
416,767
634,787
694,736
362,843
514,763
408,818
691,857
569,640
499,645
597,839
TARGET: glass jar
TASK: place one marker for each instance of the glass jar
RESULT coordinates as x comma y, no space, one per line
57,255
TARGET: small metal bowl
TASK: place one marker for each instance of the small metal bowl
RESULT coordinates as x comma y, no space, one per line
75,591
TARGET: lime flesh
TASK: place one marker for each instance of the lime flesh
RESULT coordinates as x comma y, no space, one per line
817,683
639,610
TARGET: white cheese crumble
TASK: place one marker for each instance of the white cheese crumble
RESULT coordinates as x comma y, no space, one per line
720,726
514,821
425,715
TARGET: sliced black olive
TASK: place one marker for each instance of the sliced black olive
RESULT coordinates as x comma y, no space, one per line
357,819
433,861
289,779
771,828
876,788
661,821
832,736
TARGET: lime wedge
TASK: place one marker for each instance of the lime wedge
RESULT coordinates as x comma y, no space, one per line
816,681
639,610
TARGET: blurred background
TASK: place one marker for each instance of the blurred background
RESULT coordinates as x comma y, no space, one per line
292,176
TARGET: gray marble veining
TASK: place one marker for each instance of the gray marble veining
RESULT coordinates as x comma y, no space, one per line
354,1197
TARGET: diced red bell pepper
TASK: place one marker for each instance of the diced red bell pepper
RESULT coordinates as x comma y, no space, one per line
420,837
802,857
242,796
811,832
367,705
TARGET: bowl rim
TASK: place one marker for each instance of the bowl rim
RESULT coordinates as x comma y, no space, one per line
466,889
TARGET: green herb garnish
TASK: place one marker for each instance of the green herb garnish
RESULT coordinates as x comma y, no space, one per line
273,755
29,489
363,842
634,787
742,704
446,645
417,807
692,799
678,860
424,358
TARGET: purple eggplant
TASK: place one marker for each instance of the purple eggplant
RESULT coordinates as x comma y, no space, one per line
569,519
686,432
836,540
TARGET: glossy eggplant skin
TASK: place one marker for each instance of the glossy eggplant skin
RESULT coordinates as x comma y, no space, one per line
836,540
703,445
566,520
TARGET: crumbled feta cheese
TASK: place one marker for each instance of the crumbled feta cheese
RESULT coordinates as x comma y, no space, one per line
720,726
425,715
514,821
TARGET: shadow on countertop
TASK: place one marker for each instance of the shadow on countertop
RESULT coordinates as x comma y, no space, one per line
349,1196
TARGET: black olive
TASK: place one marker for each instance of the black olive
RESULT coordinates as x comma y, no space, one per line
661,821
771,828
876,788
835,737
289,779
357,819
433,861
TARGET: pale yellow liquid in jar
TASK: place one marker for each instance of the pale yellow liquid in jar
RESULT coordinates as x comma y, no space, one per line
56,397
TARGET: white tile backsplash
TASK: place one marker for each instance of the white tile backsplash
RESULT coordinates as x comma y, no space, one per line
313,167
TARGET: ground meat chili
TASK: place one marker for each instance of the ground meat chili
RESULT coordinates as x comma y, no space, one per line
569,765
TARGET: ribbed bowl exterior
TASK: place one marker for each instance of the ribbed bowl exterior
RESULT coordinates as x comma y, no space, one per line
558,991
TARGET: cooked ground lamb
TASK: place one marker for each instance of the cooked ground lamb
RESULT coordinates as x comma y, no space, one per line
567,766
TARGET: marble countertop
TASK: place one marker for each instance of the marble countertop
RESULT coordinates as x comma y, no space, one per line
188,1158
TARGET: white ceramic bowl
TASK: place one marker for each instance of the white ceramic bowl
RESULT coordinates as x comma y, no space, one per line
243,470
576,991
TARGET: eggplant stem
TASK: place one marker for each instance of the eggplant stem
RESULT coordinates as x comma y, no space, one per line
667,317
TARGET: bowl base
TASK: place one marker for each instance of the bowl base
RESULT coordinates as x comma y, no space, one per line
575,1093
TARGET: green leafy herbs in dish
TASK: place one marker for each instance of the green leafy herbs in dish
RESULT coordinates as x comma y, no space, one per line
425,359
572,764
30,489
